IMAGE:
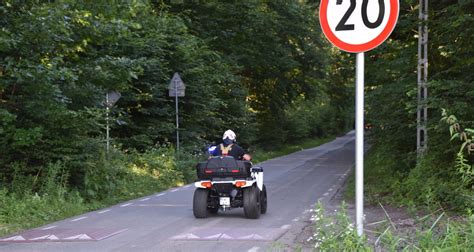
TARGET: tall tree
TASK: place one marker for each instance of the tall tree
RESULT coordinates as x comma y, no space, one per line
274,46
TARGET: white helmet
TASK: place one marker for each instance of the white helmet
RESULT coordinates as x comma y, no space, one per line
229,134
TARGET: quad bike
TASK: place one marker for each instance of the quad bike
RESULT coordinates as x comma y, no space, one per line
225,183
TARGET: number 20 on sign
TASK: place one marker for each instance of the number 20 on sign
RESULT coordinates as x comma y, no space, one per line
358,25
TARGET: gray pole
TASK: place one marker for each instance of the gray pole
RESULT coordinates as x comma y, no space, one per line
360,143
177,118
107,128
422,109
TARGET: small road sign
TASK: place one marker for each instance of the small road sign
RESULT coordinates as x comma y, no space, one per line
358,25
111,98
176,86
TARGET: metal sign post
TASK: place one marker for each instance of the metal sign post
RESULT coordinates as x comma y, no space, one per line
107,139
177,117
356,27
111,98
176,88
360,143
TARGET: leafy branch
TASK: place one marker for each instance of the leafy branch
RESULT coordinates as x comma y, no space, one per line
466,136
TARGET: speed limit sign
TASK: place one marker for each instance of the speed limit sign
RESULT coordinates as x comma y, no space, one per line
358,25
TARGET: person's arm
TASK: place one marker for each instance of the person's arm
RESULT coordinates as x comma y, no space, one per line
245,156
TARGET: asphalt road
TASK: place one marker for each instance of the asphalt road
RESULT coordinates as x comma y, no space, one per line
165,222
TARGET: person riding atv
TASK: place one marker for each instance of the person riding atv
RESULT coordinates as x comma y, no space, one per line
229,180
229,147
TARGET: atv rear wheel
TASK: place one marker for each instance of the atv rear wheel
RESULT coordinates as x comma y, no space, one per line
252,202
263,199
200,203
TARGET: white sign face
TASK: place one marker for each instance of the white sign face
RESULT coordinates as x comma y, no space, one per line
112,98
176,86
358,25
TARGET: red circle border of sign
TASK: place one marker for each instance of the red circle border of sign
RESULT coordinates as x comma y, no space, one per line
356,48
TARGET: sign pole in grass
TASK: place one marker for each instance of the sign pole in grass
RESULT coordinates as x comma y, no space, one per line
111,98
357,26
360,143
176,89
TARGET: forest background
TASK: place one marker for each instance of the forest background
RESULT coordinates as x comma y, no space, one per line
261,68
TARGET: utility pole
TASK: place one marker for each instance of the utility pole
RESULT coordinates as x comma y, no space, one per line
422,109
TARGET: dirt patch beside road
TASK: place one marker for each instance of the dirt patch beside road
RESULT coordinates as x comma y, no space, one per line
378,219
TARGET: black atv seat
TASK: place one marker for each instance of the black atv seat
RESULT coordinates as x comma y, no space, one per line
219,167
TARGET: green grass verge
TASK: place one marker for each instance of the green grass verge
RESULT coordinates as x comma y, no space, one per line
31,201
260,155
378,180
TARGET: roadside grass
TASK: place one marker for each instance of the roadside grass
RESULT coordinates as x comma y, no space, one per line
18,212
335,231
28,210
437,231
29,203
260,155
378,180
441,229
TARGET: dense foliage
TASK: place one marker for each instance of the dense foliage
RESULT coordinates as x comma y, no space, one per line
394,168
261,68
258,67
279,54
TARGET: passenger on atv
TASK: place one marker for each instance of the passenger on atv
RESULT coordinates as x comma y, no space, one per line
228,147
